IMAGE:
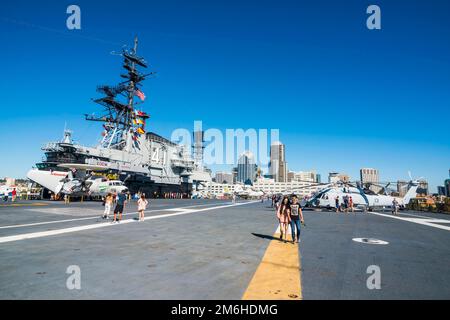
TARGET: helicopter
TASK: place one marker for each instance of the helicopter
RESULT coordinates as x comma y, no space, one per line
362,198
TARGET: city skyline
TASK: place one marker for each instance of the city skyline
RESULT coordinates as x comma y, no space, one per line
365,174
336,172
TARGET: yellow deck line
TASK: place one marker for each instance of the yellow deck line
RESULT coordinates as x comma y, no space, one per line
278,275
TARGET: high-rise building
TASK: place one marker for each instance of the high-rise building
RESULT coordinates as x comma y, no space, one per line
198,147
286,170
369,175
234,172
278,165
447,187
246,169
224,177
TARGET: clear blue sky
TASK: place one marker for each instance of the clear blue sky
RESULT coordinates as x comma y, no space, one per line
343,97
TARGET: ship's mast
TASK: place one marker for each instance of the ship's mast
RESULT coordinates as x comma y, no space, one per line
120,117
131,88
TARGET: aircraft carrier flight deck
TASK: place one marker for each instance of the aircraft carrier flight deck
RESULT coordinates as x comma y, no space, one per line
216,249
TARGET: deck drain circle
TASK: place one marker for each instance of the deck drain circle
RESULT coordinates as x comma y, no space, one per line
370,241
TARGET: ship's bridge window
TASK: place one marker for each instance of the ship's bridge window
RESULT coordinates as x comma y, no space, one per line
42,166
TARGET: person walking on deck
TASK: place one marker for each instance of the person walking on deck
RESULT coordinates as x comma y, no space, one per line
296,216
142,205
283,215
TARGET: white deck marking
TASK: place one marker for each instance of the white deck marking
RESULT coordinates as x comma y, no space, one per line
41,234
205,205
65,220
98,216
415,215
426,222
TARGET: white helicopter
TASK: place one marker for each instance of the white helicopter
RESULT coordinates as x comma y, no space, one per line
76,182
326,197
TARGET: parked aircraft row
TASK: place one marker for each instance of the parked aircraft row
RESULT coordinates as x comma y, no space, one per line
76,181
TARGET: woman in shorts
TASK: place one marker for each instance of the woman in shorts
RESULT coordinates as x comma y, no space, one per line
283,215
142,205
108,204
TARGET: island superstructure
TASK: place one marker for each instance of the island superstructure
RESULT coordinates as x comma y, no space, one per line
144,161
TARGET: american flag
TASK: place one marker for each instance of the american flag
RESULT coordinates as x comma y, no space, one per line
140,94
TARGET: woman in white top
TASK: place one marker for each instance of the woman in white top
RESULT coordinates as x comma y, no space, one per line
108,203
142,205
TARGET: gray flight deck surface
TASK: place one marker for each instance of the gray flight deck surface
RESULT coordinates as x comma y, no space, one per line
206,251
